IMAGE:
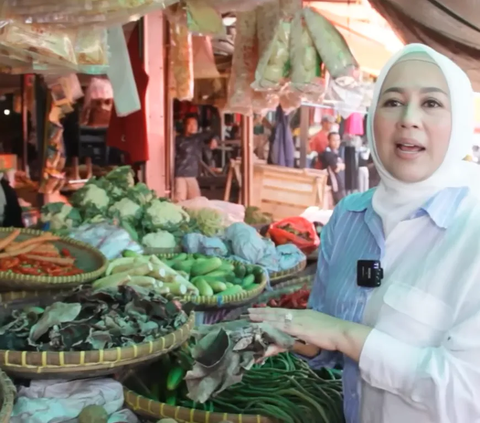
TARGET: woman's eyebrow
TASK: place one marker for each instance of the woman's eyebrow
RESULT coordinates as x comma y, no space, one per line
425,90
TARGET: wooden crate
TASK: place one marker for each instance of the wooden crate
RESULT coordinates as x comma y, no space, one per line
286,192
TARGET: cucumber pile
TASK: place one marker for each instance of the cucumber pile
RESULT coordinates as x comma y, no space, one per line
215,276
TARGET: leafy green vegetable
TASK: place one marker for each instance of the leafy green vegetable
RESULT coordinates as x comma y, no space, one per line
141,194
60,216
121,177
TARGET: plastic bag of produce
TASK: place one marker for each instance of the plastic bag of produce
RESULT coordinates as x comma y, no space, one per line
270,259
204,19
228,6
290,256
109,239
273,46
245,242
305,62
244,61
210,246
264,101
295,230
182,60
331,46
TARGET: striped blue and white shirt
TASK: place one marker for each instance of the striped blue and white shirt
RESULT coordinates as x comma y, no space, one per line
355,233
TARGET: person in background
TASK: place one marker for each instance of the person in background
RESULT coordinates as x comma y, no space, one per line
10,209
319,142
188,153
332,161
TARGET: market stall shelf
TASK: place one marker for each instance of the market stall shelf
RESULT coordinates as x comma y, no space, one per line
153,409
7,397
73,364
91,262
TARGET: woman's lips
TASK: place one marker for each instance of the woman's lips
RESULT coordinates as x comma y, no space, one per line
408,151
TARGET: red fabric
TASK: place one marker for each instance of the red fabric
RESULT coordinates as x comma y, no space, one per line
129,133
319,142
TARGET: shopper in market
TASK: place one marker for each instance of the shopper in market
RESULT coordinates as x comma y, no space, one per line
319,142
188,153
333,163
408,339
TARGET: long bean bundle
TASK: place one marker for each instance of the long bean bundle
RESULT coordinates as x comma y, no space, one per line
286,389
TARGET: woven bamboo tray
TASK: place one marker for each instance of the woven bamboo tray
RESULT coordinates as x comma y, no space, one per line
73,364
7,397
277,277
306,278
217,301
146,407
89,259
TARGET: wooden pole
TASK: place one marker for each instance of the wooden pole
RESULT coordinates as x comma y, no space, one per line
247,160
304,126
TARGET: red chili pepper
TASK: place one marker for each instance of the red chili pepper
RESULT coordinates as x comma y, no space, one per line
66,253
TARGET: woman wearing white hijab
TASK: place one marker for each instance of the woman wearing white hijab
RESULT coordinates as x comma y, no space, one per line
410,347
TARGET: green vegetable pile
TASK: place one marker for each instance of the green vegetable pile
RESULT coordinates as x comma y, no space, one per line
155,222
214,276
284,388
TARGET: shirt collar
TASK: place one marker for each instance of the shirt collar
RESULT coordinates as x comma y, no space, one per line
441,208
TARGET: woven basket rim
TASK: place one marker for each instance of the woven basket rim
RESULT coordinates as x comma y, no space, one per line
8,392
110,357
57,280
135,404
274,276
218,300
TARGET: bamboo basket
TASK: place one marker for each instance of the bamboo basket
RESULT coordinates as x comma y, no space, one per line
146,407
88,258
277,277
286,287
7,397
73,364
217,301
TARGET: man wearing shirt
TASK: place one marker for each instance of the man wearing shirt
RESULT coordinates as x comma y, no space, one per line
331,160
319,141
188,153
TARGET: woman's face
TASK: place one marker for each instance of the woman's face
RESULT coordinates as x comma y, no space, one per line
413,122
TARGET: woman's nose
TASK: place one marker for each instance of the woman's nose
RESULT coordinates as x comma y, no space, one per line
411,117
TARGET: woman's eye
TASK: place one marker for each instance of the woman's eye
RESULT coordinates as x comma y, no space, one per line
432,104
392,103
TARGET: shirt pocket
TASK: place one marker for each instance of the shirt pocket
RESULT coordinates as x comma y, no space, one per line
414,316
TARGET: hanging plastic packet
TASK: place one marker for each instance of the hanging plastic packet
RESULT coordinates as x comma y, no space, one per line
244,62
181,54
229,6
331,46
305,60
91,49
46,44
273,43
289,8
53,177
203,19
264,101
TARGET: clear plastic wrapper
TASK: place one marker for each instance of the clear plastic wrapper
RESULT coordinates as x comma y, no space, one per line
226,6
203,19
182,60
273,44
244,62
91,50
331,46
82,12
50,45
264,101
53,177
289,8
305,62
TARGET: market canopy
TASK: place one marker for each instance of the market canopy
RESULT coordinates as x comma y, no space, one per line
451,27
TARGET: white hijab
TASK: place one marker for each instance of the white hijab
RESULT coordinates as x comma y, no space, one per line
395,200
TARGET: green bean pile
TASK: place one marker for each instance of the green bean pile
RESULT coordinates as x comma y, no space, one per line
286,389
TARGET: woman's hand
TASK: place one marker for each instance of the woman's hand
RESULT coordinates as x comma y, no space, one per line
310,326
314,328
